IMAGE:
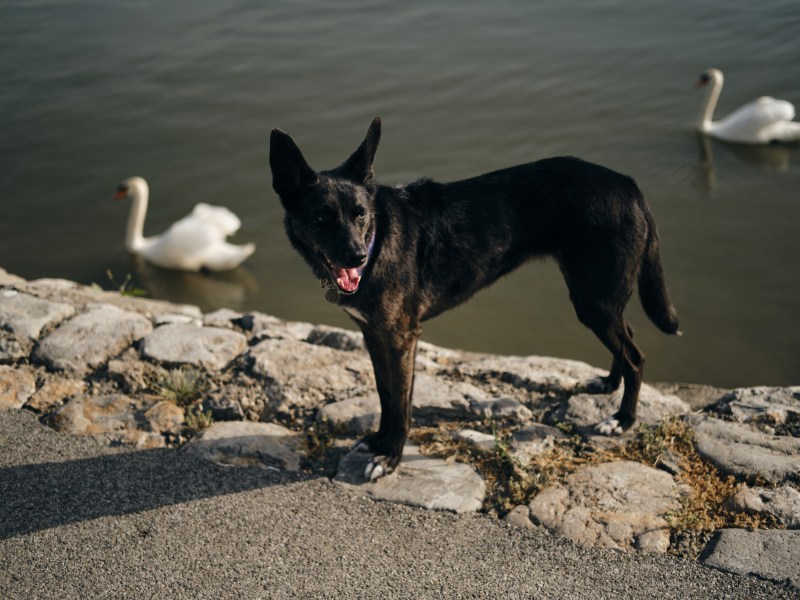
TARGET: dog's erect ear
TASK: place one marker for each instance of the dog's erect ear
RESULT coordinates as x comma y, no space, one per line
290,171
359,166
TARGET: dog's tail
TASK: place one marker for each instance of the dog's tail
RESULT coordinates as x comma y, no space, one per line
652,287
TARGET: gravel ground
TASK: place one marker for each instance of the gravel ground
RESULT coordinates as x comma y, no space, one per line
82,520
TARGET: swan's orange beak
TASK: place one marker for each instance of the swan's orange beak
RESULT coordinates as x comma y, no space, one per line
121,193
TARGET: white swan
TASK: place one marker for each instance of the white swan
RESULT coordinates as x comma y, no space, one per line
195,242
761,121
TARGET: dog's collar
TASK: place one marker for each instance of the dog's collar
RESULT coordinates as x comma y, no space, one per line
370,248
334,294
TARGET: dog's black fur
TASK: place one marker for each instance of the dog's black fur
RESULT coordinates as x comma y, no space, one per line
426,247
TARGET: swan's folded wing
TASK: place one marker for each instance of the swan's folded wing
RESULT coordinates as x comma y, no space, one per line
773,110
751,122
223,256
184,245
217,216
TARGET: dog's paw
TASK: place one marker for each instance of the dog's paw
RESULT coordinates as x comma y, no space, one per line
610,426
380,464
617,424
600,385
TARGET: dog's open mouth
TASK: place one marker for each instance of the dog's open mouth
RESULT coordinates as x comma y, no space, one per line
346,280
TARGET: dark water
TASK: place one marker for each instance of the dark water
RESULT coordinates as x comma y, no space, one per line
185,93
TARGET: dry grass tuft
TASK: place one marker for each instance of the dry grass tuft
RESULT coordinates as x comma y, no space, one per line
509,483
182,386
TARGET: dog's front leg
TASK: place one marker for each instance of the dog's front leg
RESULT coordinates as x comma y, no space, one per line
392,353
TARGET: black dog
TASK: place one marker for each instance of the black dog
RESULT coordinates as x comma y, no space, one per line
425,247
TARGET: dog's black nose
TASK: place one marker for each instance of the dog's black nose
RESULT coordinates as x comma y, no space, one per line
357,258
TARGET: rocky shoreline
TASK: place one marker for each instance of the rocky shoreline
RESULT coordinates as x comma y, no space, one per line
712,474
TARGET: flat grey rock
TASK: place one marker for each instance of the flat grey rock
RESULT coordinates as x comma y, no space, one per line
335,337
419,481
586,410
770,554
477,439
502,409
741,449
26,316
222,317
532,373
261,326
357,415
211,348
439,398
532,440
173,318
305,375
431,358
90,339
79,295
766,404
783,503
620,505
246,444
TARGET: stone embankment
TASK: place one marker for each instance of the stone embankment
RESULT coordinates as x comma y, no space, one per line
708,473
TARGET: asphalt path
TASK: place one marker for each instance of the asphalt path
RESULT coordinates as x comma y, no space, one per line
81,520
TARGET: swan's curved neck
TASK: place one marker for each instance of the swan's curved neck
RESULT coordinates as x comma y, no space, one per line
713,90
134,234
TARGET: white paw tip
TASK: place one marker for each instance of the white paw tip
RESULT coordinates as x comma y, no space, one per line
373,470
609,426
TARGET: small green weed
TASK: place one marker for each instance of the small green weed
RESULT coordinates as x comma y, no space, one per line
319,437
125,288
182,386
196,419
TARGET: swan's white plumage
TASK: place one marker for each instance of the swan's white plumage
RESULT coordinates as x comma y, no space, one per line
761,121
195,242
218,216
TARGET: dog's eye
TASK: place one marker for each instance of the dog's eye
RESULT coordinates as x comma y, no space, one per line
322,216
360,212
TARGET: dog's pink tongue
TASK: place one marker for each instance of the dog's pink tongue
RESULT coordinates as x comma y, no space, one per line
347,279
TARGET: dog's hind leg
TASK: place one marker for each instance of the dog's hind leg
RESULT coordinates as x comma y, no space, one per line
615,336
392,357
611,382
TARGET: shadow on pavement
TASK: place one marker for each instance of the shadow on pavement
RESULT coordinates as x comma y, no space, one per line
44,495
